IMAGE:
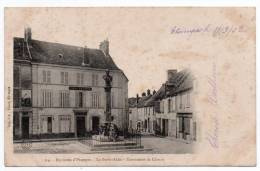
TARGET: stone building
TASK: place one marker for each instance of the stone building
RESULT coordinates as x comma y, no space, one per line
170,110
59,89
175,107
141,112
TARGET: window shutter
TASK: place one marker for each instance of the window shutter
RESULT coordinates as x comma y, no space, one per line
81,78
44,76
76,99
62,77
66,78
48,76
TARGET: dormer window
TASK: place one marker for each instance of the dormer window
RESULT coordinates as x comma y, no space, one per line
60,55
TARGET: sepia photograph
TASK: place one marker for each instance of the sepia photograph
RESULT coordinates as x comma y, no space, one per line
130,86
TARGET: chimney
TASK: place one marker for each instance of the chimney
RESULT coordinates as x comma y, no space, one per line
170,74
154,92
148,92
104,46
85,59
137,98
143,94
27,34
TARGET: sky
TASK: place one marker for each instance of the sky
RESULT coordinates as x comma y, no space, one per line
141,43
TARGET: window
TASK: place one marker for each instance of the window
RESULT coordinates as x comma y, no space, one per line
157,106
46,76
46,98
169,105
64,99
94,79
162,107
80,78
95,100
188,100
64,78
26,77
64,123
181,104
173,104
80,99
26,98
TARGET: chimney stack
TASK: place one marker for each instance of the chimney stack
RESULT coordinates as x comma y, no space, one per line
143,94
137,98
27,34
170,74
154,92
104,46
148,92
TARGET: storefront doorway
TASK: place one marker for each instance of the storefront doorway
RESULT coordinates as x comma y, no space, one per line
165,127
184,129
81,126
25,127
95,124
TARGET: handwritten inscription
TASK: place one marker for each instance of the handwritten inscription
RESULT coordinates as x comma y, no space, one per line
212,134
213,30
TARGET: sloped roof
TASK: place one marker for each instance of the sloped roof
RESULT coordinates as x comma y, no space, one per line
183,81
158,95
142,100
61,54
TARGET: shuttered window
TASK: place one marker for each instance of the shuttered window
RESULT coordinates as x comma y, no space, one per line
80,79
46,100
48,76
95,100
64,99
44,76
64,123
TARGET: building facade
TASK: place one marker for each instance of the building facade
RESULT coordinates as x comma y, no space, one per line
66,89
169,111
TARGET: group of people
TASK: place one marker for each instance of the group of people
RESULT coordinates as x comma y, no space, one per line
110,130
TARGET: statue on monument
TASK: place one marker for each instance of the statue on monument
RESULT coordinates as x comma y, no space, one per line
108,131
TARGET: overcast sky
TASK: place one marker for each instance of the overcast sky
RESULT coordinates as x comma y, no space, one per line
141,42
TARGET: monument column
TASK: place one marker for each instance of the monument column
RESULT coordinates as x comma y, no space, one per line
108,80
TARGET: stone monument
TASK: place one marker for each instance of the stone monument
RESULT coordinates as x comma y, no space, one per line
108,130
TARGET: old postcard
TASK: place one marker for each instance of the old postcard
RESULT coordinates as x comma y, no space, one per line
130,86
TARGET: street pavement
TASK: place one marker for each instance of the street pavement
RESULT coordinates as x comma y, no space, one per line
157,144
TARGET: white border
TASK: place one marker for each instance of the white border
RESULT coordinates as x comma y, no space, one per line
120,3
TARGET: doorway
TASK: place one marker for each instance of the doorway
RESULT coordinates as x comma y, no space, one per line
25,127
81,127
164,127
49,125
95,124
